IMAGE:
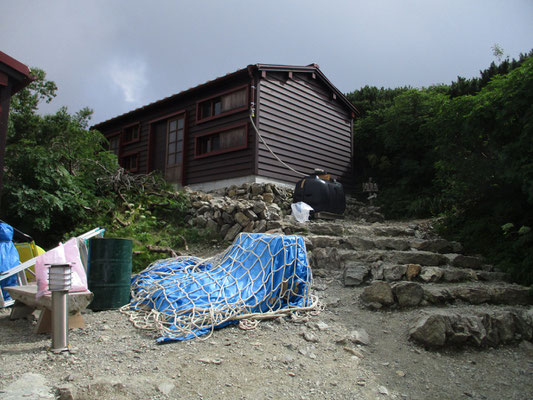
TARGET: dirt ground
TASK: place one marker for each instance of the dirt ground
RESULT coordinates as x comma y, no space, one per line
278,360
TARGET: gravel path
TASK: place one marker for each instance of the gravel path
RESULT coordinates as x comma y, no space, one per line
278,360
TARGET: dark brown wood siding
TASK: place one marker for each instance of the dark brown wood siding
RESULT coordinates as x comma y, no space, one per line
208,168
304,126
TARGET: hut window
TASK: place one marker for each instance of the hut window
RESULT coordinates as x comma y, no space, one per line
131,134
130,162
175,141
220,142
114,144
226,103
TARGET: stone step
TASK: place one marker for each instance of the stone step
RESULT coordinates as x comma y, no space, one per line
341,228
381,294
358,273
491,293
438,328
357,242
399,257
335,256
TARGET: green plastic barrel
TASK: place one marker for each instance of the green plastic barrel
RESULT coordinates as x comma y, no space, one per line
109,272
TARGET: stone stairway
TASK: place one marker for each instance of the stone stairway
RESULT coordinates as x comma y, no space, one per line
394,266
405,265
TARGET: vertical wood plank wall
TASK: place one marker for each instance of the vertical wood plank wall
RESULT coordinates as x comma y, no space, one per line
304,127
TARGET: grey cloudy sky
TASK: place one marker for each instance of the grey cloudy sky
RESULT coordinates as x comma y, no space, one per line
116,55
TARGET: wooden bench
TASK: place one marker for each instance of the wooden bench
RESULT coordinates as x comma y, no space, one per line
26,304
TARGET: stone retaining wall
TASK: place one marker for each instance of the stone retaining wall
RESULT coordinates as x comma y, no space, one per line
254,207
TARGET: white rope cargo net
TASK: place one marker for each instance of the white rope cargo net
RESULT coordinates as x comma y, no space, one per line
260,276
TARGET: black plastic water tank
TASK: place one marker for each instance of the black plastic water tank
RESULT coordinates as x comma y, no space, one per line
321,192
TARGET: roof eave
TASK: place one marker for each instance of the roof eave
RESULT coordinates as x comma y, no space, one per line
311,68
24,77
173,97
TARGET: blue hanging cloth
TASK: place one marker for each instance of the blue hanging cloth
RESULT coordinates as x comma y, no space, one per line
9,257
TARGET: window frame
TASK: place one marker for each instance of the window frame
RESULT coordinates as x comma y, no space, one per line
220,94
218,131
123,140
172,115
169,120
113,136
129,154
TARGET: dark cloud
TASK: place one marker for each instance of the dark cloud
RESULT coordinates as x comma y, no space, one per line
116,55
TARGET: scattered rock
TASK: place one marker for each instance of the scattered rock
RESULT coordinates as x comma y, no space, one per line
166,387
310,337
383,390
66,392
353,352
214,361
360,336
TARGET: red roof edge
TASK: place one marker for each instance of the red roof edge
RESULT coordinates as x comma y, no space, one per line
20,68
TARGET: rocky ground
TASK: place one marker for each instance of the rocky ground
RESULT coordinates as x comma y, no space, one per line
379,283
113,360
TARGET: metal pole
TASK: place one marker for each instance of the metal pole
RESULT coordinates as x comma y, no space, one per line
59,321
59,284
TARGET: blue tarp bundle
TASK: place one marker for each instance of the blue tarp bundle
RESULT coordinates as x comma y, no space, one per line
259,273
9,257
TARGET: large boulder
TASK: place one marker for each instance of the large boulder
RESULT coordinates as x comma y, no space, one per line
430,330
378,292
355,274
408,294
437,329
394,272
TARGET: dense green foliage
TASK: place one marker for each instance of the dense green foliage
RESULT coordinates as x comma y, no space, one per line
60,180
52,166
147,210
464,151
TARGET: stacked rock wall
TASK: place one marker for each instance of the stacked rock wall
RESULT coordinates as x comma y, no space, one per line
255,207
247,208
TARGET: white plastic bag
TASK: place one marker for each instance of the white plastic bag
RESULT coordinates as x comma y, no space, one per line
300,211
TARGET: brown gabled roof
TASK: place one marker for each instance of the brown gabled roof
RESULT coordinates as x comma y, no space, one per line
21,72
259,67
310,68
